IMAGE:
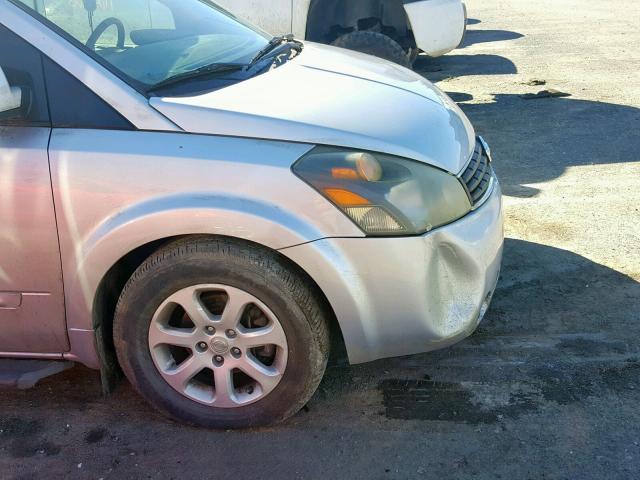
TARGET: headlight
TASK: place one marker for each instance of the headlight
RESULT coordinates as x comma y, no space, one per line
382,194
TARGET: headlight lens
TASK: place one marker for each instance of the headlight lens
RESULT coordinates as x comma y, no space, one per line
382,194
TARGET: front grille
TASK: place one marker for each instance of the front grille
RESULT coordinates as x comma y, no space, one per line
477,176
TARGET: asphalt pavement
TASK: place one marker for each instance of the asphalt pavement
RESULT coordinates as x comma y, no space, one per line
547,388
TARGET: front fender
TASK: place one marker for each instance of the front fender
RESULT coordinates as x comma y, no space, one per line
115,191
200,213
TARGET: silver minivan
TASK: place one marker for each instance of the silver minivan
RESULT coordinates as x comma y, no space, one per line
208,208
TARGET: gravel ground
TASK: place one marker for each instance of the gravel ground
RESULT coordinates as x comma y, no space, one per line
549,385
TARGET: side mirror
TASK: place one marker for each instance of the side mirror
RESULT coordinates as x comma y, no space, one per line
14,101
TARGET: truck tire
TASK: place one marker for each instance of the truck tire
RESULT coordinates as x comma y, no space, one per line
219,333
376,44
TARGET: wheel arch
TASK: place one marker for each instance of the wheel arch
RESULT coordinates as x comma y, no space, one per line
328,19
114,280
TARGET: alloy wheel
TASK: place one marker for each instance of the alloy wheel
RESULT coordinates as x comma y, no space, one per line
218,345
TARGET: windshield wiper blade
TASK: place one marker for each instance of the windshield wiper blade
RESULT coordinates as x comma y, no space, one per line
200,72
274,43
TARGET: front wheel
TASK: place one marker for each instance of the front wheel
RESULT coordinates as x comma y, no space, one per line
376,44
221,334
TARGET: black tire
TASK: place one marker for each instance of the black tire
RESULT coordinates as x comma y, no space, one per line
376,44
258,271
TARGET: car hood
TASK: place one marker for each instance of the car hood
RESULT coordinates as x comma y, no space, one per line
336,97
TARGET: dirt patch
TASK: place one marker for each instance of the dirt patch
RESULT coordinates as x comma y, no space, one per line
96,435
623,378
12,427
586,347
24,439
485,403
444,401
30,448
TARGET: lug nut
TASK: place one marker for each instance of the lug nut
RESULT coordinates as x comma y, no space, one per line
202,345
210,330
236,351
218,359
231,333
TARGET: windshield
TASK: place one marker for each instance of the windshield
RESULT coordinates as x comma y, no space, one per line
150,41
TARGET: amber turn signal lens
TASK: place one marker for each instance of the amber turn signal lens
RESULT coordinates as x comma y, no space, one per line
344,173
345,198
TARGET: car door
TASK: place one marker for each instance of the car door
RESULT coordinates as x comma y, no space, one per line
272,16
32,315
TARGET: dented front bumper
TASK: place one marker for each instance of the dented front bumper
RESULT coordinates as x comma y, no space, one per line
400,296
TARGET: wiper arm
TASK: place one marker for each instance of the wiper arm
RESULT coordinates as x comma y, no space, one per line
274,43
275,46
200,72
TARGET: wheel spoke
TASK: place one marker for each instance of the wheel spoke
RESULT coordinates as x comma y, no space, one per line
237,302
188,299
258,337
179,337
267,377
225,395
179,376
